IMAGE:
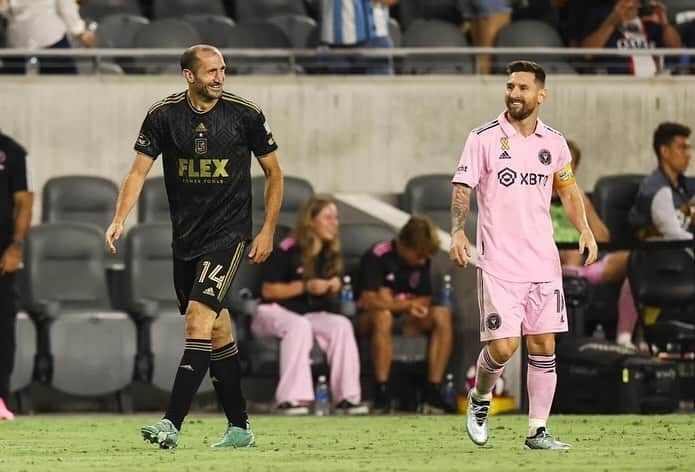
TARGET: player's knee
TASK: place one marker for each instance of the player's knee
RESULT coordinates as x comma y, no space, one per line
503,349
383,322
543,345
199,322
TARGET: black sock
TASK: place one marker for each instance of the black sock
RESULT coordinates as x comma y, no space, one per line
225,372
194,364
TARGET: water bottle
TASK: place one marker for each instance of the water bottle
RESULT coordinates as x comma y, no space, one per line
450,390
446,294
32,66
599,332
322,406
347,298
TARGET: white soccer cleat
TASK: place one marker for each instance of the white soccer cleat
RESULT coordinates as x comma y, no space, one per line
476,420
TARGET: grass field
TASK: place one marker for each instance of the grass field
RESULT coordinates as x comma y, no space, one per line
386,443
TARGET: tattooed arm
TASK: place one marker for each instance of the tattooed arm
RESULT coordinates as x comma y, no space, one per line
460,251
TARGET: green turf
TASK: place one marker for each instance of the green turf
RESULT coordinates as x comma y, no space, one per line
387,443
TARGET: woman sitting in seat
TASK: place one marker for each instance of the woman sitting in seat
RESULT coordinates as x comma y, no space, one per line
301,281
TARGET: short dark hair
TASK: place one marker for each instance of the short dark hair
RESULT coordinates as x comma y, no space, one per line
528,66
664,134
189,58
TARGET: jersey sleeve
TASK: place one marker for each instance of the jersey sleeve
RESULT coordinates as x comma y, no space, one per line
371,272
20,180
565,157
149,140
424,288
260,136
471,163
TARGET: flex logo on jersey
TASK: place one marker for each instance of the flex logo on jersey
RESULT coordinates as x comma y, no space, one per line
507,177
203,168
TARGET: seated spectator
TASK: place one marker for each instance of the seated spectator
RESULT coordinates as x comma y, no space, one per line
486,18
610,268
300,283
665,202
356,24
44,24
395,284
626,25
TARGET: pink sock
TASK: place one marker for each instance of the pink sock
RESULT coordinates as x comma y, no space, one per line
541,379
593,272
627,312
487,373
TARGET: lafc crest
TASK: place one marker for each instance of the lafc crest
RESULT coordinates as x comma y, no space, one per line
201,142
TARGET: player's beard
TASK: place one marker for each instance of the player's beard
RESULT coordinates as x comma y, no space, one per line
519,114
207,93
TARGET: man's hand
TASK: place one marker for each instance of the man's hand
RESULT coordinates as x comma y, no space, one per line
261,247
317,287
460,252
113,233
660,14
11,259
587,241
417,310
88,39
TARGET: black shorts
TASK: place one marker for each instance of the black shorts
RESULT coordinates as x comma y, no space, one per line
207,278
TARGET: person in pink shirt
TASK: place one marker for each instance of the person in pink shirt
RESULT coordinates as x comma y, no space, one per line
515,163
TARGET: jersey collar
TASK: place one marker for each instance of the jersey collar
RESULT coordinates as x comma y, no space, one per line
510,131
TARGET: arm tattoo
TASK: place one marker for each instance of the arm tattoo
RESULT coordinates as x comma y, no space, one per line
460,206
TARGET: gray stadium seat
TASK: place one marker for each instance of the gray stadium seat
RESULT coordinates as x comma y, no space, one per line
435,33
297,28
177,8
213,29
119,30
532,34
431,195
81,199
356,239
257,35
153,206
613,196
85,347
166,33
262,9
98,9
151,302
444,10
395,33
296,192
23,370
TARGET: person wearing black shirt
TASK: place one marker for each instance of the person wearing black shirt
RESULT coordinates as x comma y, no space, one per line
206,137
16,200
395,282
301,282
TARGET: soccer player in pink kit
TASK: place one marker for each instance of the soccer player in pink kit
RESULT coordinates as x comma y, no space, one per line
514,163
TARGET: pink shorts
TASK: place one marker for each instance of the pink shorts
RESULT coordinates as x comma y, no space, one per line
512,309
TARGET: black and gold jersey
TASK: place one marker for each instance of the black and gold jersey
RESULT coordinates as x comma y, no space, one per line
206,158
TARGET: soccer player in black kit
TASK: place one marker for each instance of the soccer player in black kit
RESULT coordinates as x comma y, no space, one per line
206,137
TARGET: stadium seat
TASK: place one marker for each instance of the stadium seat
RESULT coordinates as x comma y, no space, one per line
213,29
84,347
395,33
430,195
435,33
531,34
257,35
98,9
296,192
79,199
264,9
297,28
444,10
613,196
355,240
119,30
166,33
25,352
151,302
177,8
153,206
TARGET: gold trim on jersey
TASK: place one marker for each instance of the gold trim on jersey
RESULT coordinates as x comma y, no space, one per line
175,98
230,97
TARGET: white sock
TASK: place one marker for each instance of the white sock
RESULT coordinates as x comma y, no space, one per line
481,397
624,339
534,424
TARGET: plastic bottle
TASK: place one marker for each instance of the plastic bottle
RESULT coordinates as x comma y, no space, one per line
322,405
347,298
446,295
599,332
32,66
450,390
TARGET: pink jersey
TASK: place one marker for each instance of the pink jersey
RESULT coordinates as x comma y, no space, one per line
513,178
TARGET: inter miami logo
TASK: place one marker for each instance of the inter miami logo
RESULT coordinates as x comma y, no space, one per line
545,157
506,176
493,321
201,142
